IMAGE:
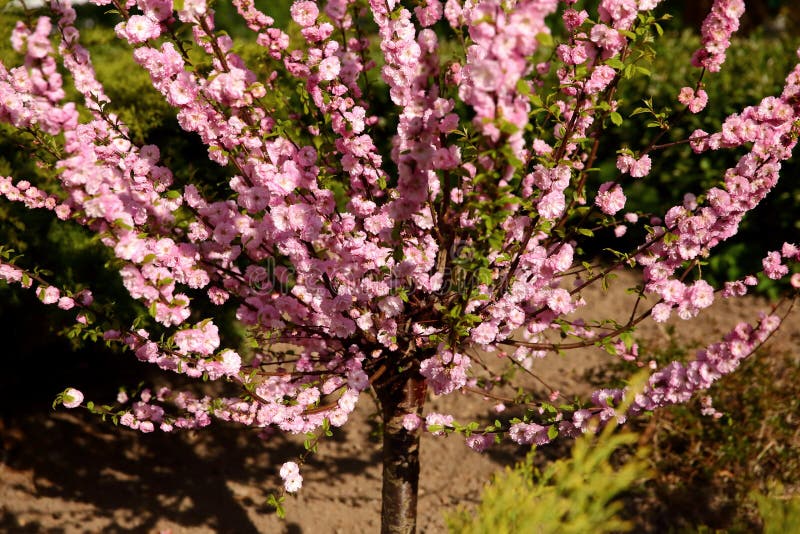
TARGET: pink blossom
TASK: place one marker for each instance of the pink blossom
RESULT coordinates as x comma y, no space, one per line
192,10
66,303
430,13
231,362
484,333
636,168
391,306
411,421
480,442
551,205
601,77
661,312
641,167
529,433
620,13
571,55
790,251
292,479
199,340
304,12
624,162
72,398
438,419
49,295
610,198
573,19
608,39
773,267
293,484
10,273
695,101
158,10
560,301
139,29
446,372
146,427
329,68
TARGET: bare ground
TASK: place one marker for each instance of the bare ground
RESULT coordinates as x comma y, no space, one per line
70,472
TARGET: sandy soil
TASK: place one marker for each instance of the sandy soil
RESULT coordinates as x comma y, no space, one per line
70,472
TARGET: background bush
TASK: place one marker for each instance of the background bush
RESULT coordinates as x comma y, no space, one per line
733,473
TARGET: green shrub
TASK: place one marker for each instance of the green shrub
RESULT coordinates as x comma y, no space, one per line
780,514
577,495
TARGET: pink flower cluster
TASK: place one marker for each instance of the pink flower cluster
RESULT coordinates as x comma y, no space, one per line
677,382
49,294
14,275
446,371
28,94
717,29
610,198
622,13
498,61
637,168
290,473
32,197
694,100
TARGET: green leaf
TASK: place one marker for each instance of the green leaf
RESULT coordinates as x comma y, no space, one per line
545,39
629,71
119,223
627,339
277,503
523,88
616,118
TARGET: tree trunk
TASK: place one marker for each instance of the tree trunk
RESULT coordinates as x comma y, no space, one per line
399,397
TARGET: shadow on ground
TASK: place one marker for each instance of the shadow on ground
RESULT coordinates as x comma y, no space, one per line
68,471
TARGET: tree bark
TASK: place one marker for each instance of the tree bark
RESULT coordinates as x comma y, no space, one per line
399,397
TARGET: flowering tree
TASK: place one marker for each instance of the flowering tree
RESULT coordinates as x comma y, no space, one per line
380,251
